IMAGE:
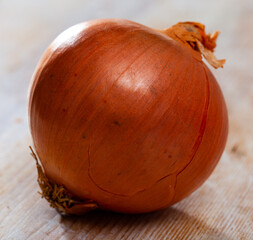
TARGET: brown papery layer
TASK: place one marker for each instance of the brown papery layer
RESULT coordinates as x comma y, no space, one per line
193,34
126,117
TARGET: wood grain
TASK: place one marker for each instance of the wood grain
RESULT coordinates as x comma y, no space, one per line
221,209
213,212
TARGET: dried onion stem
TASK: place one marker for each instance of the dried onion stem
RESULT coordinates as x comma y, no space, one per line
193,35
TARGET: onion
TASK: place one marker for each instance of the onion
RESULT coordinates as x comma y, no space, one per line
126,118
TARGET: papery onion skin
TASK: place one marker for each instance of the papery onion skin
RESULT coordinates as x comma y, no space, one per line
126,116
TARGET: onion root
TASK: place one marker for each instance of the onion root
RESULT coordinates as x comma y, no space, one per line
58,197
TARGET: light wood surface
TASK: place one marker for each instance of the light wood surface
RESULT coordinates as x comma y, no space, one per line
221,209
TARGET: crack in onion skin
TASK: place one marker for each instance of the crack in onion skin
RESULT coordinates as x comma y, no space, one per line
128,116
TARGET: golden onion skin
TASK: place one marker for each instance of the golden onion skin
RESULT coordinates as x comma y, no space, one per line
126,116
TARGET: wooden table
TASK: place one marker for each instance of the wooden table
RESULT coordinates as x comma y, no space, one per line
221,209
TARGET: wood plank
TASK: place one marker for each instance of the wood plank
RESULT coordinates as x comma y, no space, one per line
221,209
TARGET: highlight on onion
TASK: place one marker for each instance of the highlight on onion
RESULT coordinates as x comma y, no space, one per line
126,118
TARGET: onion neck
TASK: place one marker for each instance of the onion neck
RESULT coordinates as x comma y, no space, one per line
193,35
